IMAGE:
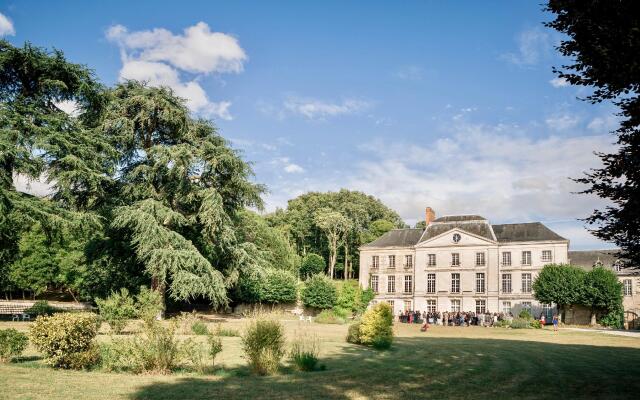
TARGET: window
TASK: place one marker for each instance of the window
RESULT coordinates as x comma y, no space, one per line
407,305
408,284
375,262
481,306
455,283
408,261
431,283
374,283
431,306
391,304
506,258
431,260
616,266
391,284
526,283
526,305
455,305
455,259
626,286
392,261
506,307
526,258
506,283
546,309
480,282
546,256
479,259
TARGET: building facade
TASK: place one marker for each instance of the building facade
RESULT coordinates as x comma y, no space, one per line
461,263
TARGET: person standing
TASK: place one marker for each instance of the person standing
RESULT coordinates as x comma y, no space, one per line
555,322
542,320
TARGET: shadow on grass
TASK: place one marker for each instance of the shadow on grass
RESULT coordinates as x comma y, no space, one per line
442,368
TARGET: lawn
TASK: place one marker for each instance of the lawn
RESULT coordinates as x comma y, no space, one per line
445,363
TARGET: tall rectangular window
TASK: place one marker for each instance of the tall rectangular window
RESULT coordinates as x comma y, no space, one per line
431,306
626,286
526,305
408,261
506,307
480,282
526,283
455,283
455,305
431,283
455,259
375,262
506,283
431,260
392,261
391,284
391,304
374,283
407,305
481,306
546,256
526,258
408,284
506,258
479,259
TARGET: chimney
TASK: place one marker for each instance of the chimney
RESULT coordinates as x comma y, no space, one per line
430,215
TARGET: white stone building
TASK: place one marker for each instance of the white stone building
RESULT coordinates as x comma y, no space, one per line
460,263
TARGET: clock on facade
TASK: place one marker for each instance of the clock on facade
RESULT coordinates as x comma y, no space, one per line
456,237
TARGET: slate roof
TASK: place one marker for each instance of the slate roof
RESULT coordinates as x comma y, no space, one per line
397,238
588,258
526,232
460,218
482,229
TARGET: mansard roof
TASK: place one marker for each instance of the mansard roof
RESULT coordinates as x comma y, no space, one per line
397,238
478,227
588,258
460,218
526,232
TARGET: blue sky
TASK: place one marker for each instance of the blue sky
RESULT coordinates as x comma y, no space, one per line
451,105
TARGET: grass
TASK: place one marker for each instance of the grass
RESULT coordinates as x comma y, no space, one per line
445,363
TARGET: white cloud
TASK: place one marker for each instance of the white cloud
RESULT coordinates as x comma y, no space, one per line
533,44
293,168
559,82
318,109
604,124
36,187
410,73
287,166
69,106
562,122
157,56
6,26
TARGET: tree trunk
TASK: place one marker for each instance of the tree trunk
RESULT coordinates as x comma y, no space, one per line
158,286
593,317
346,260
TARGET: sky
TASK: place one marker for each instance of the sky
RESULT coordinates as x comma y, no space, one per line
451,105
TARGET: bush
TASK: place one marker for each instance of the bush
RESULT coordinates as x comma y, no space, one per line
319,292
199,328
263,344
67,340
353,335
502,324
312,264
215,347
41,307
535,324
519,323
304,353
329,317
117,309
12,344
220,331
525,314
614,319
279,287
376,327
149,305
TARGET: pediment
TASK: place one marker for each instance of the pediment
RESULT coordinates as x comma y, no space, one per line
447,239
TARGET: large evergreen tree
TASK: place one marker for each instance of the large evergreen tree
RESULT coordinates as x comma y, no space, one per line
603,43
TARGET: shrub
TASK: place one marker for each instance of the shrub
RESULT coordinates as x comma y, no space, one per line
353,335
149,305
279,287
502,324
215,347
67,340
525,314
12,344
312,264
220,331
263,344
376,327
535,324
199,328
329,317
613,319
319,292
41,307
117,309
304,352
519,323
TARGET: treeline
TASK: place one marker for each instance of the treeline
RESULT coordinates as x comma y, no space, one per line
141,192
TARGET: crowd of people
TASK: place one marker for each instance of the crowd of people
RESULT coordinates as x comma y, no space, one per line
460,318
